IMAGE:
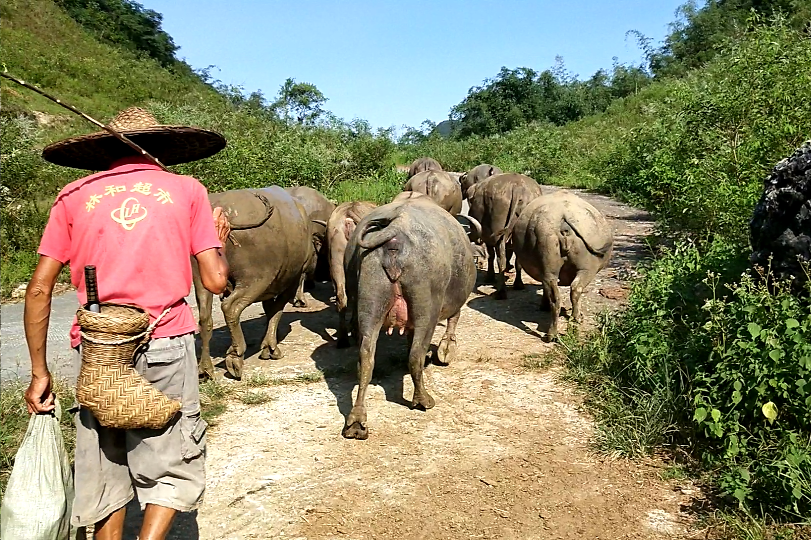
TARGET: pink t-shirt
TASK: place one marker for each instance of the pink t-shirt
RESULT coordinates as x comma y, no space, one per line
139,226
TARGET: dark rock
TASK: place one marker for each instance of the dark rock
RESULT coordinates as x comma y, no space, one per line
781,224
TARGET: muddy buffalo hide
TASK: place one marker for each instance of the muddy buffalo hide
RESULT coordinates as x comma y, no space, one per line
781,224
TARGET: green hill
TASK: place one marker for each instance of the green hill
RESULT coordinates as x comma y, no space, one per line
43,45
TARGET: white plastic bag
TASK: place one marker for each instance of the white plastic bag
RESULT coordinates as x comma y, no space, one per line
39,495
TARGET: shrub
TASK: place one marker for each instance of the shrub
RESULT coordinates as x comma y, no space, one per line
726,365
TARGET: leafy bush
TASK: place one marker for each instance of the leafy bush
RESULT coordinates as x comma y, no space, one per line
705,357
700,156
262,151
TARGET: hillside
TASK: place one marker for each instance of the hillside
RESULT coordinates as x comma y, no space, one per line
41,44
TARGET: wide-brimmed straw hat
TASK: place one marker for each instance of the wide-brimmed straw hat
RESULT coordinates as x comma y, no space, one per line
170,144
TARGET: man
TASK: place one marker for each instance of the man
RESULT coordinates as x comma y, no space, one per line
139,225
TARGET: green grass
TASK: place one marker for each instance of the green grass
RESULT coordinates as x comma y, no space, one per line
254,398
674,472
537,362
42,45
732,525
215,395
377,189
630,422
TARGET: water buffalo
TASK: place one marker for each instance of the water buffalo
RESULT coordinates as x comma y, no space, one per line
496,202
408,266
560,239
273,247
476,175
339,228
439,186
472,227
318,209
423,164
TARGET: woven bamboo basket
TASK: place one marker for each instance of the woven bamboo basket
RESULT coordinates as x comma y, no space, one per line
108,385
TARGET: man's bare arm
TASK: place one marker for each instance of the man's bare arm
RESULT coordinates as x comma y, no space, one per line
212,263
36,318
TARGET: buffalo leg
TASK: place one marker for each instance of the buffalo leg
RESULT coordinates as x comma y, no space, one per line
446,352
501,287
273,310
340,307
509,265
355,427
424,324
551,291
369,304
518,284
545,304
416,364
232,308
490,277
581,281
205,299
300,300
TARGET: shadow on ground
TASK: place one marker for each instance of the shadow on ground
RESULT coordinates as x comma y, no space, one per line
339,366
521,309
184,526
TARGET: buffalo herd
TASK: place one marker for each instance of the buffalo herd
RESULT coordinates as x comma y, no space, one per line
402,266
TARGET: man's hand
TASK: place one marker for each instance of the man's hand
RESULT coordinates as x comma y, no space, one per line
39,397
223,227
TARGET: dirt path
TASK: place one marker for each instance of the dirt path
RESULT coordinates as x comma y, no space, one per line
504,454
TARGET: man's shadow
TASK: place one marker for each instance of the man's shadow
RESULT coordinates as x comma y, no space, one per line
184,526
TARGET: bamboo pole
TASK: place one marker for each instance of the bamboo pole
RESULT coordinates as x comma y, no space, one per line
71,108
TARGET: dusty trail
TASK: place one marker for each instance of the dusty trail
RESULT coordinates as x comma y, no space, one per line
504,454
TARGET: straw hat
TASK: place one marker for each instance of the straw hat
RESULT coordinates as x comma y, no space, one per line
170,144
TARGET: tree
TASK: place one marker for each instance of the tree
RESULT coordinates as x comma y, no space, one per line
696,34
299,101
125,23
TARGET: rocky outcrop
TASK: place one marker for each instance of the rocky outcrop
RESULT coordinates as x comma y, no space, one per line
781,224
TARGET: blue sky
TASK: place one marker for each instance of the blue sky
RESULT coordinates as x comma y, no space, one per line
395,63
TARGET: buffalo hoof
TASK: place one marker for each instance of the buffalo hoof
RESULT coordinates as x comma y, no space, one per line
356,431
501,294
268,354
446,352
423,402
205,370
519,286
234,366
300,302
